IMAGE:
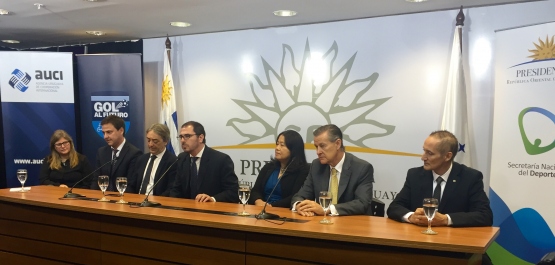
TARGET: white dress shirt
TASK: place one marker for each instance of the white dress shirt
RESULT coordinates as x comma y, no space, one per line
445,177
153,172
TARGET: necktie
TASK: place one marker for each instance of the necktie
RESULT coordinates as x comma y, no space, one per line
334,186
111,185
437,190
194,177
114,155
146,179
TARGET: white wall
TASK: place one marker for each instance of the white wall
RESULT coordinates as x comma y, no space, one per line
410,52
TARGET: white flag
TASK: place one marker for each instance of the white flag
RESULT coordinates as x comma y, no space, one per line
455,115
168,113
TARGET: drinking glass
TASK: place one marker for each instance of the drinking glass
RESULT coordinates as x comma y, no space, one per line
103,182
244,194
22,177
430,207
325,202
121,184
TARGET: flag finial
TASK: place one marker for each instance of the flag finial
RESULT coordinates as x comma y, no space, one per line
460,17
168,43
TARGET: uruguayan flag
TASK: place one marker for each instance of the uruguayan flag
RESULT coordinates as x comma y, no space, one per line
168,113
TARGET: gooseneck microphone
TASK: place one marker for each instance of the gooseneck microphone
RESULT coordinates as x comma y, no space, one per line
270,216
147,203
70,195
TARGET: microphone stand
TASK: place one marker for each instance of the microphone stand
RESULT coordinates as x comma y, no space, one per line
146,202
70,195
270,216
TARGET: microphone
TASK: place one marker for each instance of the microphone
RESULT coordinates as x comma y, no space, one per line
70,195
263,214
147,203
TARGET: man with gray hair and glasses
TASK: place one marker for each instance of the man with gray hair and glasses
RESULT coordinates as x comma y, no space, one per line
348,178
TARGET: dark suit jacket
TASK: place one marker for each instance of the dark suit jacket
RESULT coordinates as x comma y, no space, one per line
164,186
463,197
66,175
122,168
291,182
216,176
355,185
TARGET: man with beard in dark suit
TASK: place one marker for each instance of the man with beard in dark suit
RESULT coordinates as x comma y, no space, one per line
151,166
203,174
113,128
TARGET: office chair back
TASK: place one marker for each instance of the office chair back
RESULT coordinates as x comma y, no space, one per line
377,207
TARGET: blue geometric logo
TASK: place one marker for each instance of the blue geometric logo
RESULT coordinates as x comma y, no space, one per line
19,80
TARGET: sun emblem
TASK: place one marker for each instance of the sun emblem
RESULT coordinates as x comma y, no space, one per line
545,50
303,95
166,90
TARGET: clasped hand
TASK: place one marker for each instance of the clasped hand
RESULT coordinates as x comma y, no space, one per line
309,208
203,198
419,218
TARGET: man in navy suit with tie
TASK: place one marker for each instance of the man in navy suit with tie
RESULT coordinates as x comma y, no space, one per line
458,188
157,166
203,174
113,128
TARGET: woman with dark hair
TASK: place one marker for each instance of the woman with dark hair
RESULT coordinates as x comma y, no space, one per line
64,166
289,165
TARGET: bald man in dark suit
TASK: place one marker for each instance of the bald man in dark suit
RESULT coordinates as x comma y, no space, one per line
462,200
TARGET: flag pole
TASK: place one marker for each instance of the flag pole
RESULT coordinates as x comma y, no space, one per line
455,111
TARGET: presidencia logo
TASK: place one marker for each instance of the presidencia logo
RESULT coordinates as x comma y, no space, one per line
544,52
108,103
544,49
19,80
534,148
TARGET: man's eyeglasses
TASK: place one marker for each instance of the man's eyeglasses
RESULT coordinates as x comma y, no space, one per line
62,144
185,136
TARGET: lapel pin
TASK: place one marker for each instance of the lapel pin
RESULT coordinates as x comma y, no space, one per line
454,180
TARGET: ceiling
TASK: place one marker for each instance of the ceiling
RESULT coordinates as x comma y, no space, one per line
64,22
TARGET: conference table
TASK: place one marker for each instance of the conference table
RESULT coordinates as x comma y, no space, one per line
37,227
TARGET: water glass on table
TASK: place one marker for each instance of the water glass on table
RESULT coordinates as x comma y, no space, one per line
121,185
22,177
103,182
430,207
244,195
325,202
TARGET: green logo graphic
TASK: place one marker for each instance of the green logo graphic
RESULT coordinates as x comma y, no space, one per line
535,148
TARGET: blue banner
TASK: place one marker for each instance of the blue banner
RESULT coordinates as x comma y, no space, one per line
37,99
110,84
